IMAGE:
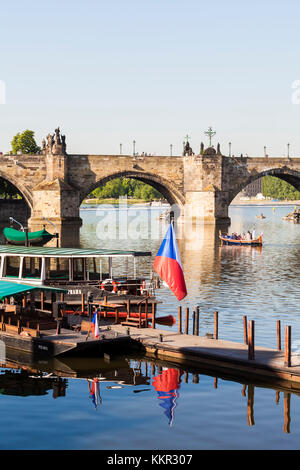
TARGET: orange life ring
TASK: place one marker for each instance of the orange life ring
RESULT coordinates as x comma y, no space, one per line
115,288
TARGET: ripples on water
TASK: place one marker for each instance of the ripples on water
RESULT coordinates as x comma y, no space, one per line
140,405
200,412
260,283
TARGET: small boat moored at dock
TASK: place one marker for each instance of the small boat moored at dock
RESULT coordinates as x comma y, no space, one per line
19,237
87,277
40,331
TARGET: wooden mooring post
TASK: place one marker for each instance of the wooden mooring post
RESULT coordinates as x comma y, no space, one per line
196,321
287,354
216,325
187,320
245,329
153,314
278,335
251,354
179,320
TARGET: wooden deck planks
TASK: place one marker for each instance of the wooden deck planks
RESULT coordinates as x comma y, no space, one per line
219,353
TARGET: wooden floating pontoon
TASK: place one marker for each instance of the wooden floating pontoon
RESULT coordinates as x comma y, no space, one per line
218,355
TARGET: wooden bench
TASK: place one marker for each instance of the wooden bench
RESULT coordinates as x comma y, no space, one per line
11,329
32,332
12,308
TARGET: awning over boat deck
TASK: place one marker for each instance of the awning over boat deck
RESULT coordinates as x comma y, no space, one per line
9,289
50,252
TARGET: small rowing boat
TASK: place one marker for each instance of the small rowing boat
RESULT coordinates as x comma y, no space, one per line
227,240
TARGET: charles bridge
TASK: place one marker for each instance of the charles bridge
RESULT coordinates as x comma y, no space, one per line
54,183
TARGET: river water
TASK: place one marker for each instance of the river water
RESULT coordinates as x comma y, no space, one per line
144,405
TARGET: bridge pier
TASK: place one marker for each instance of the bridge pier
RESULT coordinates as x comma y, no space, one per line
206,202
205,207
59,203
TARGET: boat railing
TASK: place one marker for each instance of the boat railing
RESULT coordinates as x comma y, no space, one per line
113,285
23,324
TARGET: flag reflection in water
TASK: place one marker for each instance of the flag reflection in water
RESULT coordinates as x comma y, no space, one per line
167,384
94,389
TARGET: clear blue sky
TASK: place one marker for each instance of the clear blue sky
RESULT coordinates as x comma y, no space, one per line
152,70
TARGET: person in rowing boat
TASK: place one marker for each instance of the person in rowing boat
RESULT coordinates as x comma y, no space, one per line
248,236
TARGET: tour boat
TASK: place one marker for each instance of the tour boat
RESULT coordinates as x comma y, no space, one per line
20,237
227,240
88,277
30,326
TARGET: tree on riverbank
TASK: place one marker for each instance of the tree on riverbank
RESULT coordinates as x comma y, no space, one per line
278,189
126,187
25,143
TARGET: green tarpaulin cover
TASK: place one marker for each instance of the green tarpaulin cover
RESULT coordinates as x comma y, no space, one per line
9,289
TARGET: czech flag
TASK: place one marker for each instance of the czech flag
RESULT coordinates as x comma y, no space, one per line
167,264
95,326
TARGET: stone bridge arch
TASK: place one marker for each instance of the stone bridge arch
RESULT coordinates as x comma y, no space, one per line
284,173
165,187
19,186
19,209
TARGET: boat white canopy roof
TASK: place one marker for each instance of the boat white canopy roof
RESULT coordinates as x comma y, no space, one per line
49,252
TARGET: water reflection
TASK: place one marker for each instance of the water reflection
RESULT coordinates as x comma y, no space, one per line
94,389
167,384
36,378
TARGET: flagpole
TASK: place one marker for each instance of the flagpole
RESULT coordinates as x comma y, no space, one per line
172,218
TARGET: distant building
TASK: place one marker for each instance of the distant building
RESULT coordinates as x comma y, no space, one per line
252,189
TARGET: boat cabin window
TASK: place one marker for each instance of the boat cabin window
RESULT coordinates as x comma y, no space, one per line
85,269
57,268
11,266
31,267
79,265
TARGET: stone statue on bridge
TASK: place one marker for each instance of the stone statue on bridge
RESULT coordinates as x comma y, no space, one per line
64,145
210,151
187,150
56,144
57,136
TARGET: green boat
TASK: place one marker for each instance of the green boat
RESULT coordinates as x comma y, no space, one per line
18,237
